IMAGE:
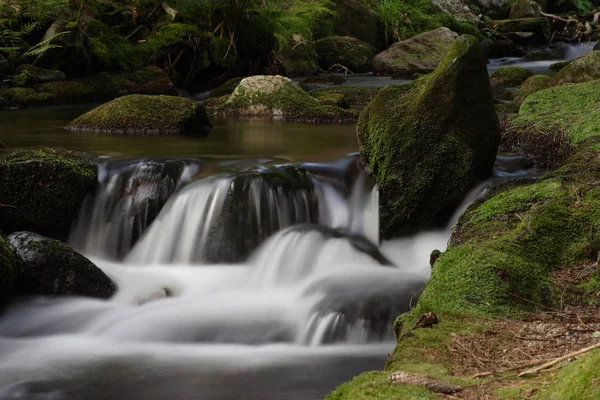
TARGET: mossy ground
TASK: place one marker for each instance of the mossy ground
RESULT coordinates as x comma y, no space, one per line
532,85
142,114
508,77
355,95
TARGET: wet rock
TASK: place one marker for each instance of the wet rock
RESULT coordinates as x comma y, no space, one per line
280,97
556,52
597,46
435,254
409,135
558,66
43,189
52,268
510,77
39,75
525,31
350,52
145,115
585,68
421,53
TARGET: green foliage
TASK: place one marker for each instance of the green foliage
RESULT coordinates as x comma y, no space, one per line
582,7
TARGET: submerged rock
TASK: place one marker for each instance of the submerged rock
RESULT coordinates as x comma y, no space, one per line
52,268
420,54
32,74
350,52
145,115
585,68
43,189
429,141
280,97
510,77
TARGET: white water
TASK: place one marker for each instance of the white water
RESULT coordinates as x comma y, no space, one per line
309,294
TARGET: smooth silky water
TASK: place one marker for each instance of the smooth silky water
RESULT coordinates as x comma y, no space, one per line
284,302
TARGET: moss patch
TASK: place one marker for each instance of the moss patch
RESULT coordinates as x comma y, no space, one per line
46,188
375,385
584,69
511,76
355,95
577,381
532,85
141,114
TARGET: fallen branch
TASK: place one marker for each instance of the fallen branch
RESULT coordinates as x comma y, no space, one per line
7,205
481,364
435,385
549,364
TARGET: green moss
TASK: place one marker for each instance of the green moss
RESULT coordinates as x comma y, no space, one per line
25,98
347,51
532,85
111,51
47,187
558,66
226,88
144,114
506,108
355,95
334,99
410,133
216,102
511,76
23,79
376,386
170,36
584,69
577,381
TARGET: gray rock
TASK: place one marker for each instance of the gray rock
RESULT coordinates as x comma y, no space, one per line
40,75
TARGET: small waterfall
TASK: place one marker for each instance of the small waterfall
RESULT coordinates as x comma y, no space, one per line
573,51
128,198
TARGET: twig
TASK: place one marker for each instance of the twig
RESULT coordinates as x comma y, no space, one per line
7,205
542,367
470,352
531,302
510,369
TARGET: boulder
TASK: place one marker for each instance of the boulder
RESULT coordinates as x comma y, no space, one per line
510,77
500,48
459,9
429,141
145,115
524,9
585,68
299,59
421,53
280,97
355,95
555,52
33,75
42,190
525,31
51,268
9,269
354,18
350,52
494,9
557,66
532,85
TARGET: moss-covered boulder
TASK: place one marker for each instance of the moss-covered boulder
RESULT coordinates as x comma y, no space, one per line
29,74
41,190
350,52
355,95
553,122
9,269
52,268
20,97
299,59
427,142
279,97
524,9
334,99
557,66
510,77
145,115
524,31
354,18
421,53
532,85
585,68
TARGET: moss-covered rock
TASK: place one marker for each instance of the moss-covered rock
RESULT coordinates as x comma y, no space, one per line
354,18
532,85
20,97
585,68
558,66
8,270
280,97
510,77
355,95
421,53
524,9
334,99
226,88
523,31
52,268
142,114
42,190
38,75
299,59
553,122
350,52
410,134
215,102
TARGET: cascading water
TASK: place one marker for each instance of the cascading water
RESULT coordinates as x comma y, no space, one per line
270,269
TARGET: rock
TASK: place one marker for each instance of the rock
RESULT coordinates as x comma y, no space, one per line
421,53
525,31
334,99
524,9
459,9
558,66
354,18
350,52
9,269
300,59
532,85
280,97
226,88
410,134
585,68
495,9
43,189
51,268
355,95
500,48
20,97
35,75
145,115
597,46
509,77
548,53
